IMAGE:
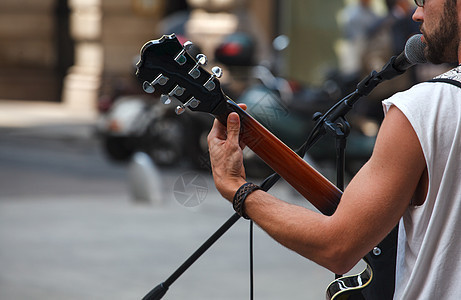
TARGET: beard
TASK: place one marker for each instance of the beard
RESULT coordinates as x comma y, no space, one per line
442,43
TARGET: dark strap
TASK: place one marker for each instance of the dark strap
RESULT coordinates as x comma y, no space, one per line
446,80
383,284
239,198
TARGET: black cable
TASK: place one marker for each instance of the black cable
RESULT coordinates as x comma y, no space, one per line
251,262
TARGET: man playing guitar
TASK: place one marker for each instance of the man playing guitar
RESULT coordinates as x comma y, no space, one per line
413,177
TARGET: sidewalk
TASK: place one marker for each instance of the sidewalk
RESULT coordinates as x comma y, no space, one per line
19,113
47,118
82,237
93,250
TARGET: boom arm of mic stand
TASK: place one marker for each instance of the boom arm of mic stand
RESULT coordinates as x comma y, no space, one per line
342,107
364,88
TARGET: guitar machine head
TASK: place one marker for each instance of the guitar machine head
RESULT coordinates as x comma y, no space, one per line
166,66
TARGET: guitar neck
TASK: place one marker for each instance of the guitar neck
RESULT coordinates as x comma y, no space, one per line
297,172
166,67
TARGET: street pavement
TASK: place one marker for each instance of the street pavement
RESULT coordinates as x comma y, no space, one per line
71,228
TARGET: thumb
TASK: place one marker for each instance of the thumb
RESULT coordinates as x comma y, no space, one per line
233,128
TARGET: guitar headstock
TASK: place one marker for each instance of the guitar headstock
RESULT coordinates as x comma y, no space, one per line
166,66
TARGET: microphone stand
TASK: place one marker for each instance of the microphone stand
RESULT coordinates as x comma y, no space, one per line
332,122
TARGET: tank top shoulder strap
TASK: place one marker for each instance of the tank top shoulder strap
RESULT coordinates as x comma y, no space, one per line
451,77
450,81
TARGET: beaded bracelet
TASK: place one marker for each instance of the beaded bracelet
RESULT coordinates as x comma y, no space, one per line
240,196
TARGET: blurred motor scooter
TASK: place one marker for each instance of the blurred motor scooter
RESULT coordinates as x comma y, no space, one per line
287,107
131,121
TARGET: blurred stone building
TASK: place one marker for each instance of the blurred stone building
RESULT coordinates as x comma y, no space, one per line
68,51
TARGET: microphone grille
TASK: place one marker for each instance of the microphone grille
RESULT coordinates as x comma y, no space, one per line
414,50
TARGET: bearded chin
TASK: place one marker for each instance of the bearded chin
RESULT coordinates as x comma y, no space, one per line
434,54
441,49
442,44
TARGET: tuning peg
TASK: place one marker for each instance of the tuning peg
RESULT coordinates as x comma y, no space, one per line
217,73
201,60
176,91
148,87
165,99
192,102
180,109
188,45
181,58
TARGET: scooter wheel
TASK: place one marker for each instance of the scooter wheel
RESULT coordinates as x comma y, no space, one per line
166,141
117,149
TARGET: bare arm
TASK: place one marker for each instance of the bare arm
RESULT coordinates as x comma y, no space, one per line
370,207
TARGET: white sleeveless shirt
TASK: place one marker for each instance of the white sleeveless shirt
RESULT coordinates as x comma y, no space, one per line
429,245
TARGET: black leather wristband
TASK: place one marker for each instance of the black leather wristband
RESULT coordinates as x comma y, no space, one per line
240,196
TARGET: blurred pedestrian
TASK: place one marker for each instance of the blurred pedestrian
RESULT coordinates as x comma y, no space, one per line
355,22
386,38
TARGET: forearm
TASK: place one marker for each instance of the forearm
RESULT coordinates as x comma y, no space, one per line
370,207
306,232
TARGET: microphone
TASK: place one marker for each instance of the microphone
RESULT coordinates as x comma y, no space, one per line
412,54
